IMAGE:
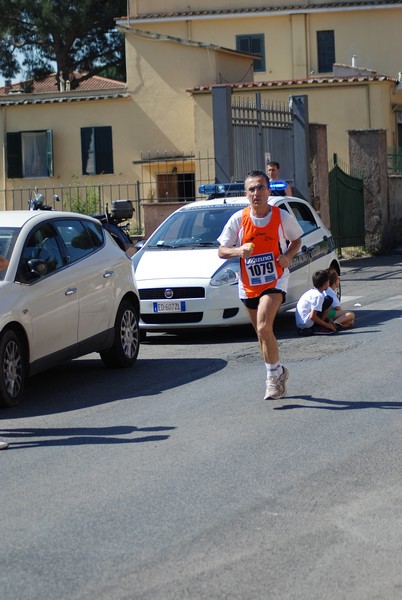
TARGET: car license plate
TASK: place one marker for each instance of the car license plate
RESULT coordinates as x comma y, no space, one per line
169,307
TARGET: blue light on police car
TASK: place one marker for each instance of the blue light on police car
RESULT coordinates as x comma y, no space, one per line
221,188
236,187
277,185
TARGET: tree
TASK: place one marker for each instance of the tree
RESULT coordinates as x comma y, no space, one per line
79,37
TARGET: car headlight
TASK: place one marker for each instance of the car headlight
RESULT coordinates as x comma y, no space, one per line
227,274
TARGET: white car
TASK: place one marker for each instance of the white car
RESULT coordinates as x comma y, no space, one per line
182,281
66,289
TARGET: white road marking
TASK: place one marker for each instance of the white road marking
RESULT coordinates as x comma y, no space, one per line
387,304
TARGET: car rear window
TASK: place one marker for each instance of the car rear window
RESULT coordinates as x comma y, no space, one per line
304,216
77,239
8,235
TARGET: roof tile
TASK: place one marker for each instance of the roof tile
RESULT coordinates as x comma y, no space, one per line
49,85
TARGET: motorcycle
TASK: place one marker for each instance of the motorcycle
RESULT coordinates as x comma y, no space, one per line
37,202
122,210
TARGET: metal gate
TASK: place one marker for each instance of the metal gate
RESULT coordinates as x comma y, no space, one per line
262,132
248,134
346,206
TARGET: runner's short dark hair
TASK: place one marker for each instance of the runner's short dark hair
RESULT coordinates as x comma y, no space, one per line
257,174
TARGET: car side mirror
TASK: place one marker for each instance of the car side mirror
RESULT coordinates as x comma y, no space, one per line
37,267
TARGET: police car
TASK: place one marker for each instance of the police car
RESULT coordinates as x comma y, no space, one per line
184,284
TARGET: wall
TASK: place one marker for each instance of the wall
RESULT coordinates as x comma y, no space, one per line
290,54
319,188
160,89
65,119
290,36
395,209
368,156
339,106
155,214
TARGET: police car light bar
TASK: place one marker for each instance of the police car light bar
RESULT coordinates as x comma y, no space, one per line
221,188
277,185
234,187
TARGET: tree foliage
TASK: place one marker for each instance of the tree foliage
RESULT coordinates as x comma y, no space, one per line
79,37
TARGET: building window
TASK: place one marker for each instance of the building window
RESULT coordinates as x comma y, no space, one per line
30,154
96,150
399,127
253,44
325,50
176,187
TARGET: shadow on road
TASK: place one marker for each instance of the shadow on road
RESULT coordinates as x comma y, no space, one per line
328,404
207,335
372,268
83,383
81,436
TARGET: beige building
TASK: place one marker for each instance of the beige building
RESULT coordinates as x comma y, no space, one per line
112,136
293,40
155,133
297,49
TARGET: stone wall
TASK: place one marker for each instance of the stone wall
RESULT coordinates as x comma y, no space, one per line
368,156
395,209
319,185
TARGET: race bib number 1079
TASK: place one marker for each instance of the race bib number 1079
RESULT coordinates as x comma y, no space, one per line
261,269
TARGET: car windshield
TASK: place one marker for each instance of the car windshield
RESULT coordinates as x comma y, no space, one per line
8,235
198,227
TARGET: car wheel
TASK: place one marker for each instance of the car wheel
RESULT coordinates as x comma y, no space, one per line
126,344
12,369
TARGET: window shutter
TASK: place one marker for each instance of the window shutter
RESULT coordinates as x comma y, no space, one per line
86,136
49,147
325,50
243,43
253,44
103,150
257,47
14,155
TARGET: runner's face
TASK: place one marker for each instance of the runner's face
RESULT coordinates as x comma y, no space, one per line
257,192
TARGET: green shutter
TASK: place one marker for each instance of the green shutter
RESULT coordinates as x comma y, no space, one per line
103,150
86,134
14,155
49,147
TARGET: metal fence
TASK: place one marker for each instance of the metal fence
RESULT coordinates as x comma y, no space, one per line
171,177
163,178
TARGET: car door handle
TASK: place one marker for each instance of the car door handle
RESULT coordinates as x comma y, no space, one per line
70,291
108,274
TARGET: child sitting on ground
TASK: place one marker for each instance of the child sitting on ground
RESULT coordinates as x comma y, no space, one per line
313,307
344,319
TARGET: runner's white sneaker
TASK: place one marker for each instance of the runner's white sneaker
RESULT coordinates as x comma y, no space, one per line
276,386
282,381
273,388
3,444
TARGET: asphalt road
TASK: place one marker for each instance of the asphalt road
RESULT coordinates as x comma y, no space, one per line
176,480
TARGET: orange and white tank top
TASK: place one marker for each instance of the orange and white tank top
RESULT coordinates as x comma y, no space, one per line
261,270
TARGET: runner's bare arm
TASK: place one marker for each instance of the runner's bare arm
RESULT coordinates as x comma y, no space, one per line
243,251
285,259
